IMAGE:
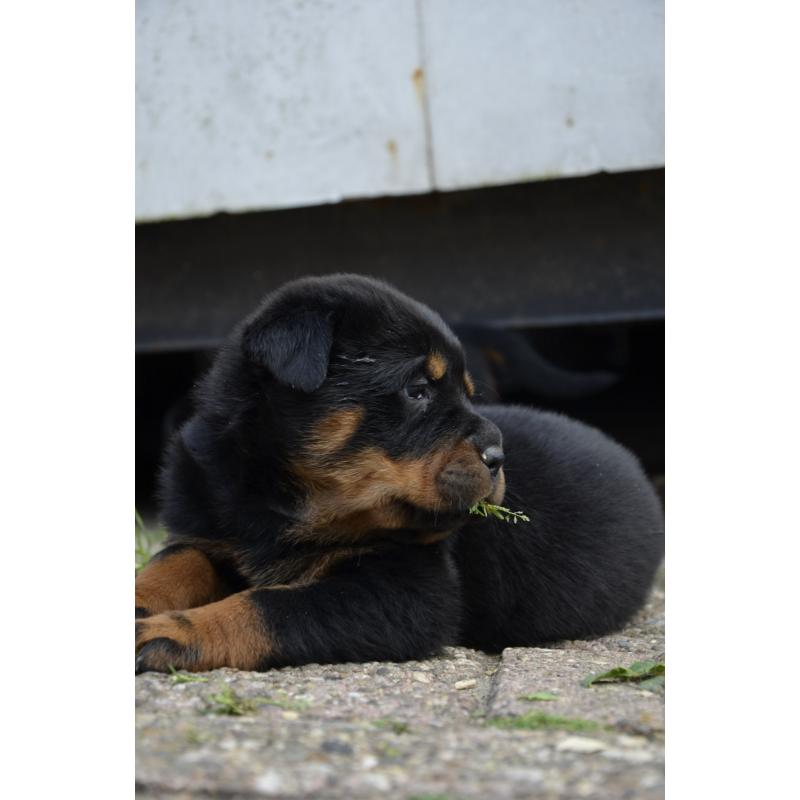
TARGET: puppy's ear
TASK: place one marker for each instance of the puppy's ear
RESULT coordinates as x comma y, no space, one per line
295,348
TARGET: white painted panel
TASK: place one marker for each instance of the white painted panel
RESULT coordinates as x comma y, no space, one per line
527,89
254,104
257,104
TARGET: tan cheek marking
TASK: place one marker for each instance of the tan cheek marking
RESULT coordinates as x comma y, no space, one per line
358,494
469,385
354,525
334,431
436,366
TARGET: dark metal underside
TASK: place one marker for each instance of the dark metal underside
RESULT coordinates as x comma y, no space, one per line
567,251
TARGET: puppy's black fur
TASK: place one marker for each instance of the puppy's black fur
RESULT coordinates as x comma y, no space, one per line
318,501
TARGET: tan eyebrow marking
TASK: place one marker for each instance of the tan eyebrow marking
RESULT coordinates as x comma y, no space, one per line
469,384
436,366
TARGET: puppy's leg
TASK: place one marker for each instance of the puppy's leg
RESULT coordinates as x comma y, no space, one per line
178,577
228,633
387,614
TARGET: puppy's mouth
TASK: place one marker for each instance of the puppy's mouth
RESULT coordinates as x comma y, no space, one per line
458,494
461,485
367,491
457,482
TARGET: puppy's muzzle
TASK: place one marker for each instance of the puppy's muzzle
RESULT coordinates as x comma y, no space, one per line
473,471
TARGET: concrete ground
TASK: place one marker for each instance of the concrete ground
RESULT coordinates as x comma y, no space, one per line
452,727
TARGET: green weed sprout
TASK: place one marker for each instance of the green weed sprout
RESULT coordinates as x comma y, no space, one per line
484,509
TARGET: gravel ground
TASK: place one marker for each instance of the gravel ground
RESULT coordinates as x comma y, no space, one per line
424,730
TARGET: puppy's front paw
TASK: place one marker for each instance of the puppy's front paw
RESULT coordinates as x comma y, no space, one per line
228,633
164,642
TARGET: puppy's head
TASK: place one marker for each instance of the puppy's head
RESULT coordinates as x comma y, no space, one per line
370,393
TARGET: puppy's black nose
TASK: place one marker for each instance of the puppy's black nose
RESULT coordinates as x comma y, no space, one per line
493,457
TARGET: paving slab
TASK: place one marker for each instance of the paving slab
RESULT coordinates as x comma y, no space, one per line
431,729
559,671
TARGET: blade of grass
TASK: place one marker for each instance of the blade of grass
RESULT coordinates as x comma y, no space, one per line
484,509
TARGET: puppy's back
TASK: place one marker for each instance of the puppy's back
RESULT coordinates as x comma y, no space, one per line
586,560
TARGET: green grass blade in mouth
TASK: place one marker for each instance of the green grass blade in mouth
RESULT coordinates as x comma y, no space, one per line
484,509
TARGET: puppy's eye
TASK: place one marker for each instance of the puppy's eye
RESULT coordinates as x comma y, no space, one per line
418,391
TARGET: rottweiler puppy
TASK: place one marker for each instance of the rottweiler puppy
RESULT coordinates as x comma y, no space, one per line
318,501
